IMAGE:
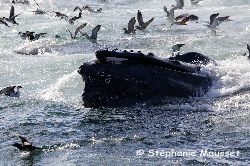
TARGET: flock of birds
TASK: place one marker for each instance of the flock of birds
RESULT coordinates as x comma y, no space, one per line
179,20
30,35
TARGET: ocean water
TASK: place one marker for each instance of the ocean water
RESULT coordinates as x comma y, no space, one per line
209,130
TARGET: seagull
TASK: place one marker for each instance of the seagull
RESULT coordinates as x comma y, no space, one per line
77,30
170,13
131,26
12,16
215,21
248,47
94,33
176,49
180,4
3,22
25,145
38,11
9,91
142,26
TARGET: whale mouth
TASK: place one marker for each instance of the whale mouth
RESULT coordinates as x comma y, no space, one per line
119,77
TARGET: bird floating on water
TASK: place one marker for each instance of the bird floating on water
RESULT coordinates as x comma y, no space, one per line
25,145
94,33
77,30
142,25
88,8
22,1
215,21
30,35
193,2
38,11
12,16
9,91
131,26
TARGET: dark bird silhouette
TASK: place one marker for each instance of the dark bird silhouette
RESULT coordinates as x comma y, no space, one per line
94,33
187,17
248,48
10,91
30,35
59,14
142,26
12,16
25,145
77,7
22,1
70,20
77,30
131,26
3,22
193,2
184,19
88,8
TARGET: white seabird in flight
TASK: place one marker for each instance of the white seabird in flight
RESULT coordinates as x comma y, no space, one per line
215,21
170,13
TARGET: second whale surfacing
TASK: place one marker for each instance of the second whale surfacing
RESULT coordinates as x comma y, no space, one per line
123,78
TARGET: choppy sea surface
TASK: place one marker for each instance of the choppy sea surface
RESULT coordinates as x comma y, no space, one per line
210,130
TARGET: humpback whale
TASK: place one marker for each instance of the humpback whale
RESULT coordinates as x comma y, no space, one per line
127,77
